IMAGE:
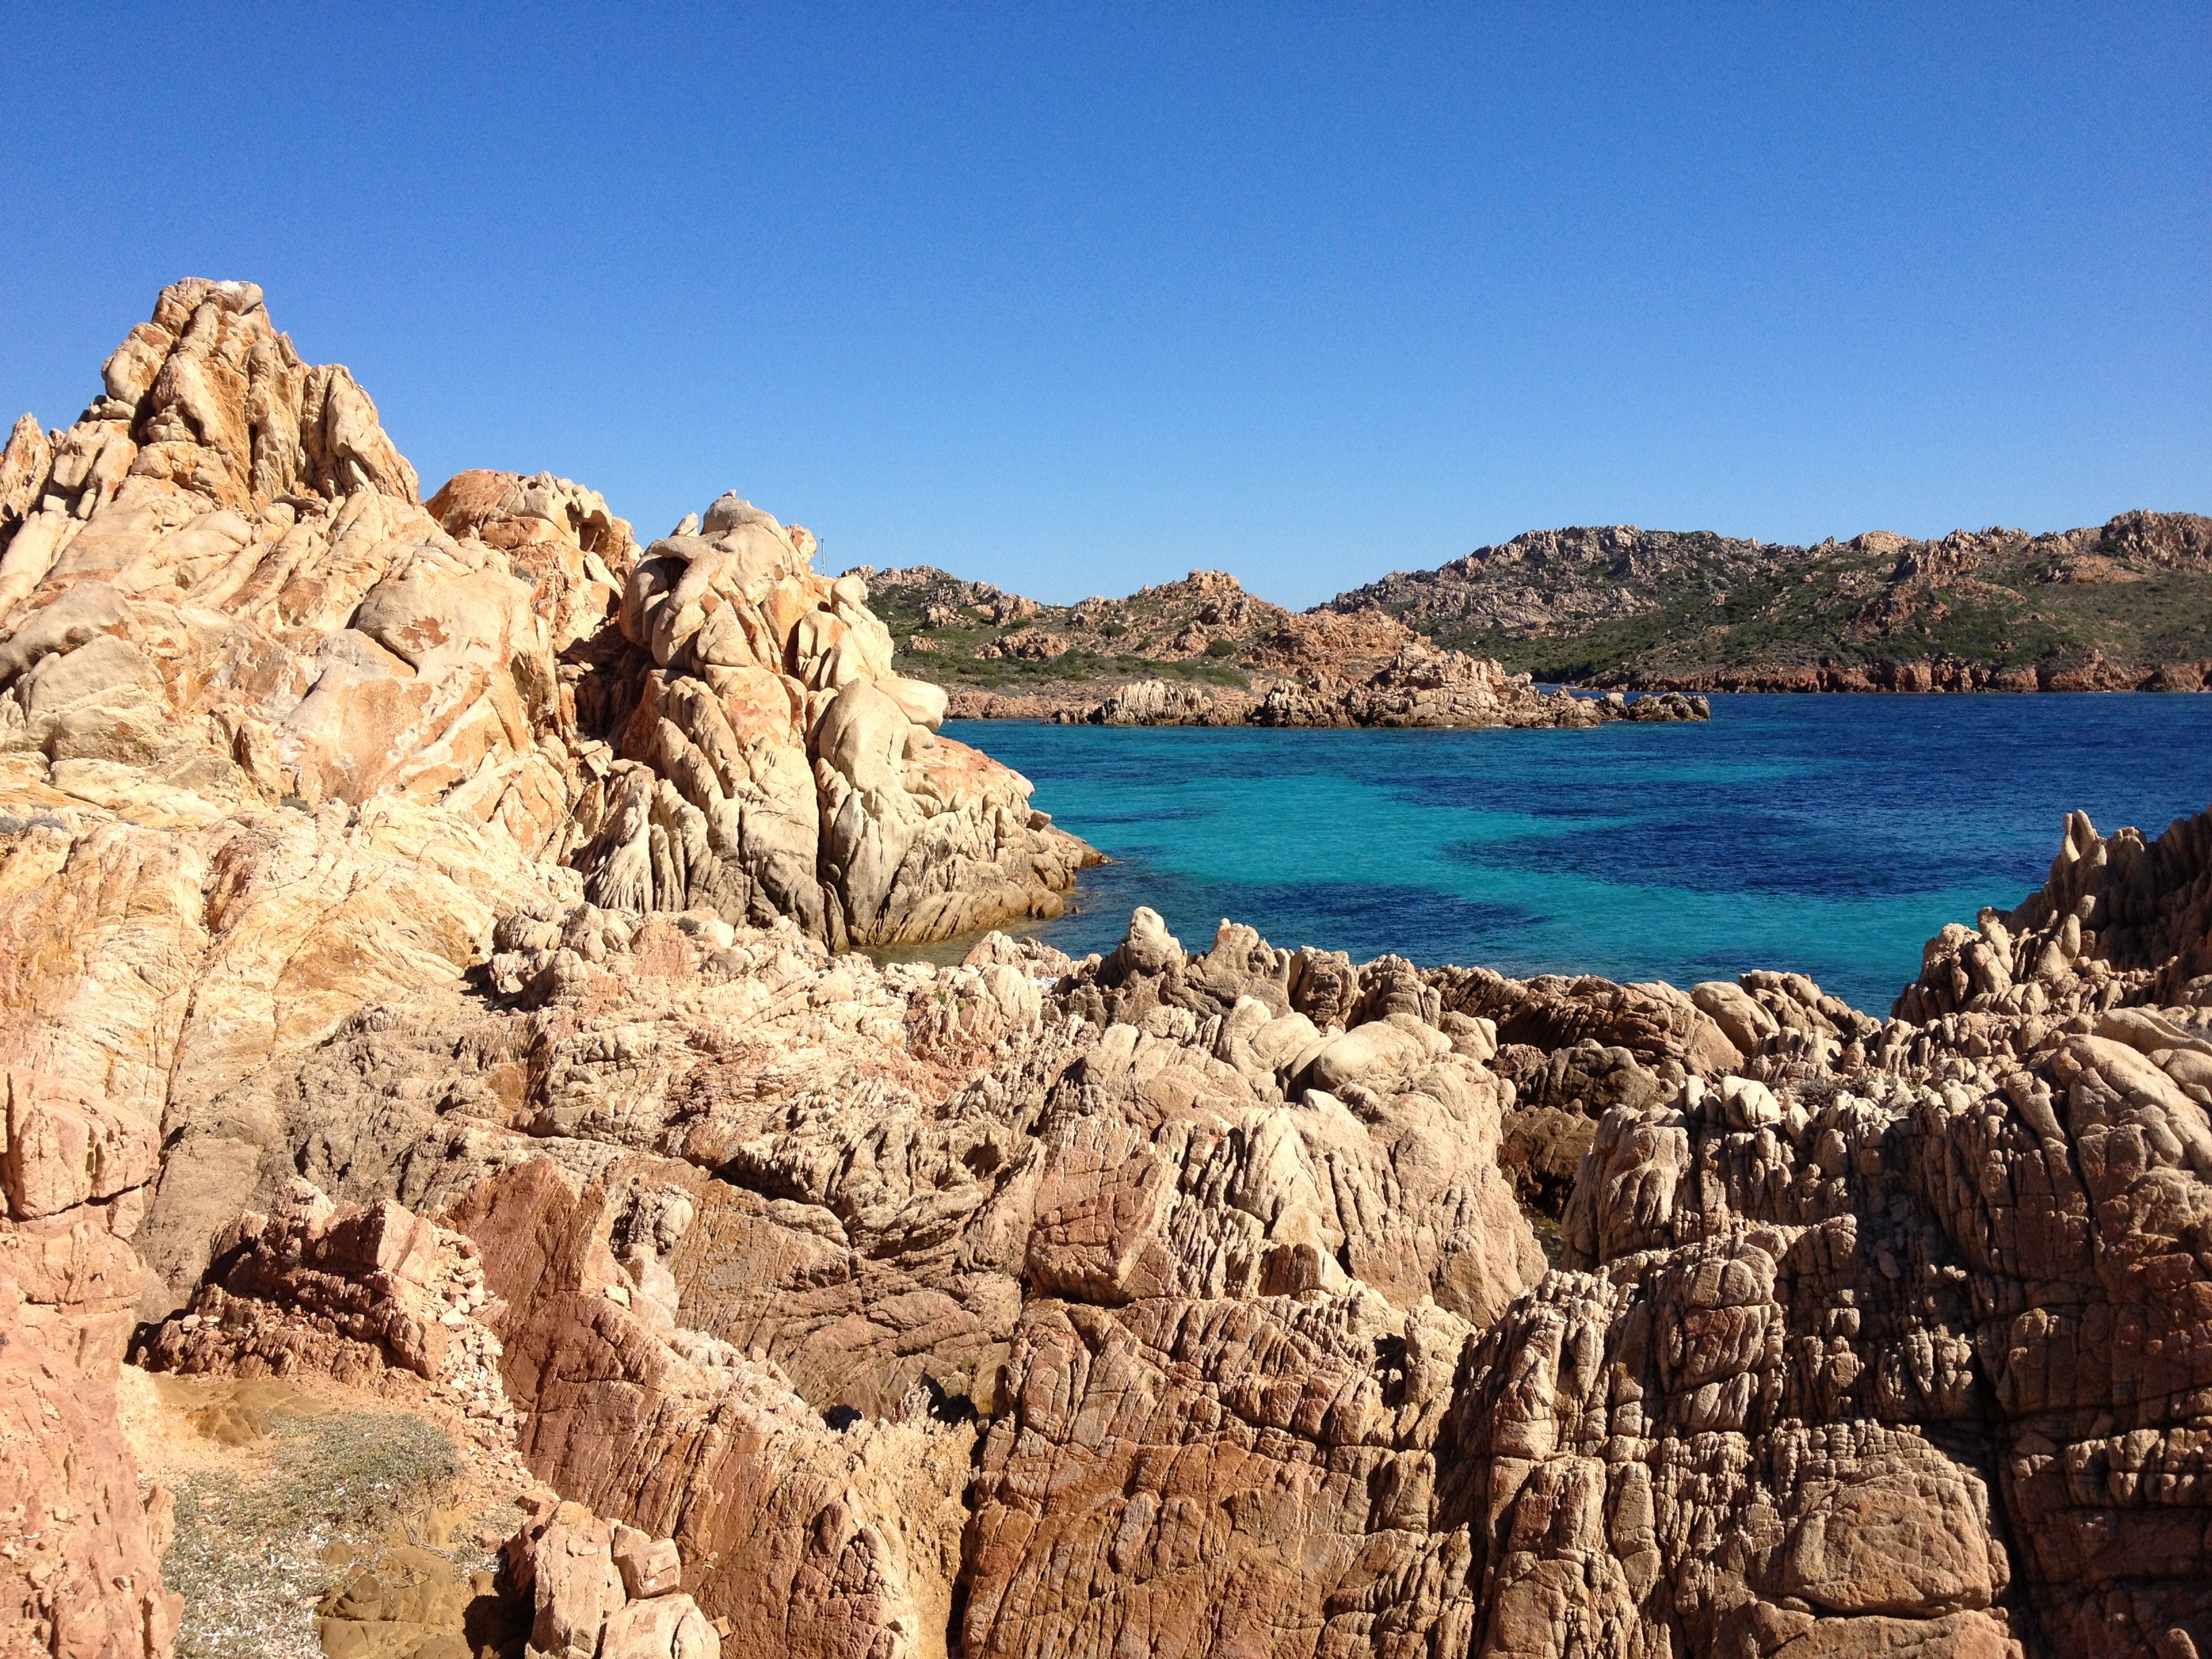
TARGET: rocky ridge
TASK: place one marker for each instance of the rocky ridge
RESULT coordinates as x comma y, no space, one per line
2123,606
1202,651
276,744
219,594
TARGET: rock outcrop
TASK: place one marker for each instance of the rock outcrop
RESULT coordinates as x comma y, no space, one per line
2119,606
599,1589
750,1219
449,894
366,1295
224,595
1418,687
1101,662
2121,921
1883,1344
1175,1300
770,762
80,1571
279,741
1423,686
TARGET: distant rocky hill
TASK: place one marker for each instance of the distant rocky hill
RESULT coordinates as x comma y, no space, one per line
972,634
2125,605
1203,651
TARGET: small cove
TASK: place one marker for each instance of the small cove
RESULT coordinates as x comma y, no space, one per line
1827,835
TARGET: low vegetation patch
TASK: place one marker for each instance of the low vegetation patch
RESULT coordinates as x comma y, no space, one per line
253,1552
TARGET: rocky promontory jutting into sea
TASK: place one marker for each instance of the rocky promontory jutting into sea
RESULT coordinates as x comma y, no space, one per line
463,1196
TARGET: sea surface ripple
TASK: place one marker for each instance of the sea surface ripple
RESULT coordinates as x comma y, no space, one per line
1829,835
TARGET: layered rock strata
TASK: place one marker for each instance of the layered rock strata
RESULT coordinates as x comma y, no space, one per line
365,1295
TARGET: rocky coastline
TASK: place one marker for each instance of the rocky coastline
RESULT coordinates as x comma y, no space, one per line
1922,675
465,1196
222,595
1445,689
2124,606
1203,651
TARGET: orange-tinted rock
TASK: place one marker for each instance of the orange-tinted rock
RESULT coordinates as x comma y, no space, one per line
349,1291
80,1570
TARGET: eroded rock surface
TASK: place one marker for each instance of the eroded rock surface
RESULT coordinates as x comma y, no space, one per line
1176,1300
281,743
750,1219
278,741
80,1574
486,1020
770,762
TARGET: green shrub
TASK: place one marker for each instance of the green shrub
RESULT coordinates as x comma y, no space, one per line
1218,649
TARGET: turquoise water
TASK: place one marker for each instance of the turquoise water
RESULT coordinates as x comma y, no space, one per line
1829,834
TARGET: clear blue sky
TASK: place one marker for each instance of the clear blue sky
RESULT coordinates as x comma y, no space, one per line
1077,298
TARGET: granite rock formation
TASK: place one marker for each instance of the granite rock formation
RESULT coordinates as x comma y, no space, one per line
1203,651
1175,1299
2126,606
80,1574
1929,1300
1416,687
599,1589
371,1295
769,761
279,741
748,1218
485,1023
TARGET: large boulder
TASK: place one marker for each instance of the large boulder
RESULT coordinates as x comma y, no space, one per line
771,762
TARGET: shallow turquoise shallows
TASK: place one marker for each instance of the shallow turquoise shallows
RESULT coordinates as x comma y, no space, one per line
1829,835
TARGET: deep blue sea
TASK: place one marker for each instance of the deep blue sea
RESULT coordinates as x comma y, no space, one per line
1829,834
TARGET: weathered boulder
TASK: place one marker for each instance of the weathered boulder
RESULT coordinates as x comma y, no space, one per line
80,1574
2121,919
772,764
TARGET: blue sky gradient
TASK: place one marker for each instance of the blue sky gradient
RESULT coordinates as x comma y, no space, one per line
1077,299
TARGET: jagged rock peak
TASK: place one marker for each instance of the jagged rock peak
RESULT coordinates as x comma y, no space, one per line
209,397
